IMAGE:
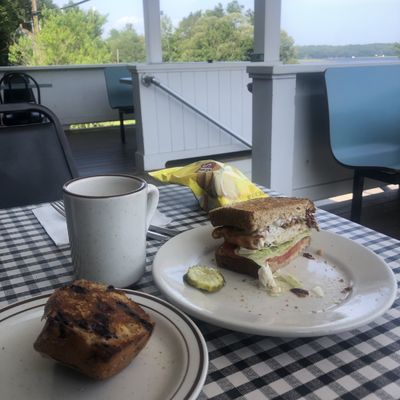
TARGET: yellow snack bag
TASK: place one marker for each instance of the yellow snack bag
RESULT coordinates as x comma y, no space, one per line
214,184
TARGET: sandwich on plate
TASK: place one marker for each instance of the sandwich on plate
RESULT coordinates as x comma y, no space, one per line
262,235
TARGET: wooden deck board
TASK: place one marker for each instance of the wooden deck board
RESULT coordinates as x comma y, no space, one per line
100,151
380,212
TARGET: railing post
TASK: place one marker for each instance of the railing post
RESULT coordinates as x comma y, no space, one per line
152,29
267,30
273,129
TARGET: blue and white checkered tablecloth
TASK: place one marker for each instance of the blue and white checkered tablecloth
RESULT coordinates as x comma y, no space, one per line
360,364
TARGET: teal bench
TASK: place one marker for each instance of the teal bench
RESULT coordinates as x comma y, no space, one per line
364,124
120,95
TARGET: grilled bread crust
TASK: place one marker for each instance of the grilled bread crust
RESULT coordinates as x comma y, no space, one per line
93,328
226,257
257,214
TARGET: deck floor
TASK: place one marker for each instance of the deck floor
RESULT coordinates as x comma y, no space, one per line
101,151
98,151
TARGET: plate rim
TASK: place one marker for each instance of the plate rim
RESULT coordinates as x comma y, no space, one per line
202,370
271,331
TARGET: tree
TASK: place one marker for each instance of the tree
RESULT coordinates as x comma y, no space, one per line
16,17
216,34
70,36
288,52
226,38
126,45
74,36
219,35
233,7
396,47
167,38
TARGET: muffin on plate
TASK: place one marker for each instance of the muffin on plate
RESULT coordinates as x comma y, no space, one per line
93,328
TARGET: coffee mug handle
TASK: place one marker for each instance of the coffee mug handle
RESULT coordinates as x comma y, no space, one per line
152,202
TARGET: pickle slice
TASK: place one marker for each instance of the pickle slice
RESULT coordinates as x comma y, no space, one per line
204,278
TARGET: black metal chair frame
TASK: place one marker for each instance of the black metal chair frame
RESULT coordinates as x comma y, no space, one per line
121,112
67,165
6,80
388,176
11,93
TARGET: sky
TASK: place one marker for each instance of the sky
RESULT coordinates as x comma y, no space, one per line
307,21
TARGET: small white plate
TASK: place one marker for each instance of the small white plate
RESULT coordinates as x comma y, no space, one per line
173,365
358,287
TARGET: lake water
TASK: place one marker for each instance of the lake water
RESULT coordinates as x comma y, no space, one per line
348,60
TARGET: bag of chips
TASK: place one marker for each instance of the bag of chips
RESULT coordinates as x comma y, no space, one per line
213,183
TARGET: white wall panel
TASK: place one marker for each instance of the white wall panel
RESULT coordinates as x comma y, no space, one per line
214,106
225,105
202,125
176,131
189,118
173,131
149,123
238,116
78,93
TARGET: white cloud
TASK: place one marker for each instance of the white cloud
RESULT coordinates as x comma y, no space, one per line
137,23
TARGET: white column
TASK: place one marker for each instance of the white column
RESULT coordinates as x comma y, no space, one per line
273,130
152,31
267,30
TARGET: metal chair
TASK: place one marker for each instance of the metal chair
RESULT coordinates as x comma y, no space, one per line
364,124
120,95
19,87
35,159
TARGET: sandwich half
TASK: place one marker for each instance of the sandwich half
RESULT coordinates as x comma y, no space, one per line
266,232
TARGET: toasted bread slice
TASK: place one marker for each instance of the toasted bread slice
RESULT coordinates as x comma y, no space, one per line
93,328
257,214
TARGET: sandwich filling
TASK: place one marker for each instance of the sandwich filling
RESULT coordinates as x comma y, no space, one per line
275,253
275,244
261,256
271,236
262,235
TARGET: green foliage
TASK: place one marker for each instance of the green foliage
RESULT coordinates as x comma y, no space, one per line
15,19
126,45
167,37
104,124
226,38
288,53
234,7
71,36
218,35
396,47
14,16
74,36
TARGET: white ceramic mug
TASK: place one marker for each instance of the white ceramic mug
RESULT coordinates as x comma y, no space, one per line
107,218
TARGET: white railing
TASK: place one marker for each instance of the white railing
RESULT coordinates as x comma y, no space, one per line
166,129
169,130
77,93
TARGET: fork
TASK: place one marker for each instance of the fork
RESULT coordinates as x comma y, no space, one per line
59,207
154,232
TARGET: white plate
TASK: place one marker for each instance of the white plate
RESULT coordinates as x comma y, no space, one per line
173,365
243,306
